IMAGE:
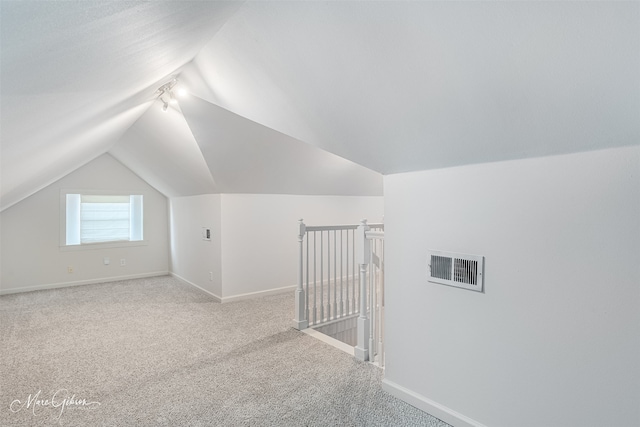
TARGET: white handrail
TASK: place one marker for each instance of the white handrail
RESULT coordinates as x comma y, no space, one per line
328,276
340,227
357,249
371,234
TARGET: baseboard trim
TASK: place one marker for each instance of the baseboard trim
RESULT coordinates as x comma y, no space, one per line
329,340
177,276
238,297
429,406
257,294
81,282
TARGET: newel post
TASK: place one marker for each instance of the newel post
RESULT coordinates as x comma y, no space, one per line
300,321
363,253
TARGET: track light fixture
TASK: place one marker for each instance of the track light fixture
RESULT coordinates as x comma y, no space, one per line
165,93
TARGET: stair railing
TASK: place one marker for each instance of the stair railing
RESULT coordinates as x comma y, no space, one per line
333,282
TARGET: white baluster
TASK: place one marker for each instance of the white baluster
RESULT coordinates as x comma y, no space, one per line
328,275
341,276
347,269
381,304
315,280
300,322
353,273
321,278
306,302
335,276
372,304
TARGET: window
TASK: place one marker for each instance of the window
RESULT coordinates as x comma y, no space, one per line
100,218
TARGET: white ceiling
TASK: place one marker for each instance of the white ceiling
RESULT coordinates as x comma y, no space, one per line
246,157
77,74
401,86
391,86
161,149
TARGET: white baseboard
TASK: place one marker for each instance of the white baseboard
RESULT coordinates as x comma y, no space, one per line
177,276
239,297
257,294
429,406
329,340
81,282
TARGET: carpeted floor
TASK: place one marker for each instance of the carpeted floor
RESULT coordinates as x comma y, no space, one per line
158,352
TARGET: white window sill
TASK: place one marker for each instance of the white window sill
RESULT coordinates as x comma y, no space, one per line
106,245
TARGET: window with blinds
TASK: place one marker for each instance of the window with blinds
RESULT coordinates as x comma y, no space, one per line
103,218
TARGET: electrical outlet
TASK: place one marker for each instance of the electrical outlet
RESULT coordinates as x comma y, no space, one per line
69,269
107,261
211,276
123,262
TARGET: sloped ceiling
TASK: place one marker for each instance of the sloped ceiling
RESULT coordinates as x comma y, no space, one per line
246,157
391,86
402,86
77,74
161,149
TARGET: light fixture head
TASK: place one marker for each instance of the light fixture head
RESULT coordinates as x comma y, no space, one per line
165,93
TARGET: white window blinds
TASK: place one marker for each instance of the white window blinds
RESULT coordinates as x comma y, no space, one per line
104,218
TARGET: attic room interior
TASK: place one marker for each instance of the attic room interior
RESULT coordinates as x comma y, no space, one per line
508,130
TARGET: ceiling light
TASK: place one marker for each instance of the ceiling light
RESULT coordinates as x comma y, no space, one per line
182,92
165,94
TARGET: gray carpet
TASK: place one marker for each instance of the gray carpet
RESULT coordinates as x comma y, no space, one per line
157,352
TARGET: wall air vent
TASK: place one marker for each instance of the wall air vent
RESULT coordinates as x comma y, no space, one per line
459,270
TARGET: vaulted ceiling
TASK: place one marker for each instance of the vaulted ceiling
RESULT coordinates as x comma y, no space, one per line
308,97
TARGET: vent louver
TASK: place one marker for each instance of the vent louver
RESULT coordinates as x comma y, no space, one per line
440,267
459,270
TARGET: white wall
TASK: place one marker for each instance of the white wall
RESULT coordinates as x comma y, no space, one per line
555,338
30,230
193,259
259,235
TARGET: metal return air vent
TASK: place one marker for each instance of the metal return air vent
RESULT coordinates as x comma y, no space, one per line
458,270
